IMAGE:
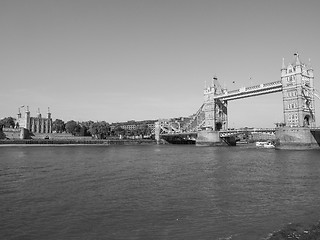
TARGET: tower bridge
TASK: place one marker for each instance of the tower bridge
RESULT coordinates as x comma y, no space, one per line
210,122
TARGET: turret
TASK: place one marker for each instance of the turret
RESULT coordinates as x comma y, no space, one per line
39,114
283,68
297,63
49,113
49,122
310,73
27,119
19,114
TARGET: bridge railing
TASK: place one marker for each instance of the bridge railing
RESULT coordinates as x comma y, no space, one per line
253,87
233,91
272,84
315,128
249,130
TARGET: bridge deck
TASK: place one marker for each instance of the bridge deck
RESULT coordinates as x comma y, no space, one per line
251,91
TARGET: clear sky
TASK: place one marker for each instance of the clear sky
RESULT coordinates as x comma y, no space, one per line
141,59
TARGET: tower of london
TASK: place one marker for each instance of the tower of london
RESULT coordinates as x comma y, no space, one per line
36,124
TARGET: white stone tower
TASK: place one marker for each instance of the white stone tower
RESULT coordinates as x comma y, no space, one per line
27,119
49,122
298,94
216,116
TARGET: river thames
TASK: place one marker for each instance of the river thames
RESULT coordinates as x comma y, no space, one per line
155,191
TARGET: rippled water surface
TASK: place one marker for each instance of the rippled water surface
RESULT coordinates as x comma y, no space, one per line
155,192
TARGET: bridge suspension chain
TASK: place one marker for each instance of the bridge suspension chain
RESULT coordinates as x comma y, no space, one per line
314,92
196,122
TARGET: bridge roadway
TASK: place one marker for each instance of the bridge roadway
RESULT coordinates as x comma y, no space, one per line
227,133
222,133
245,92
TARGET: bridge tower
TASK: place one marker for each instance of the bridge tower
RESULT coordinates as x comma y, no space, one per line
298,94
216,114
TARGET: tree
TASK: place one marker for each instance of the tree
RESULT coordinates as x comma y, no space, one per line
58,125
104,129
93,129
7,122
87,124
117,131
73,127
83,130
146,130
99,129
2,135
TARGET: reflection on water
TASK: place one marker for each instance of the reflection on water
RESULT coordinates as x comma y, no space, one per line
155,192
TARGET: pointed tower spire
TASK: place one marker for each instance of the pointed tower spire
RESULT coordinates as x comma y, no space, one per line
309,64
283,68
49,115
39,114
310,70
19,113
297,59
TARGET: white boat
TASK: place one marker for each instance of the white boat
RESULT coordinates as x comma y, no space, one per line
260,144
268,144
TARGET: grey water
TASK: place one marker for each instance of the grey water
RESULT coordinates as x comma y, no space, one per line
155,191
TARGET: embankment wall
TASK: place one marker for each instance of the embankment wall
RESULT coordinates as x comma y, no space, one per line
73,142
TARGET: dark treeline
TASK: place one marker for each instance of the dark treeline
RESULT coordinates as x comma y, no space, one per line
98,130
7,122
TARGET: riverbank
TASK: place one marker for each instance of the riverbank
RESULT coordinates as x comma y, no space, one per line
75,142
297,231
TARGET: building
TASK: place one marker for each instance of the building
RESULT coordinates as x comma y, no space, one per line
36,124
133,125
298,94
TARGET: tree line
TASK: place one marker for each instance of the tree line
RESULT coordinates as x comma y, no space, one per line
98,130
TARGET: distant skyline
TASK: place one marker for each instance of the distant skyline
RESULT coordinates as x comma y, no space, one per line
137,60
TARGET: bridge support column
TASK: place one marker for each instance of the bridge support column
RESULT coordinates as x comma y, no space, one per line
297,138
208,138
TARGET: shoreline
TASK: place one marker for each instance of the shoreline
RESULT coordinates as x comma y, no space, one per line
74,142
